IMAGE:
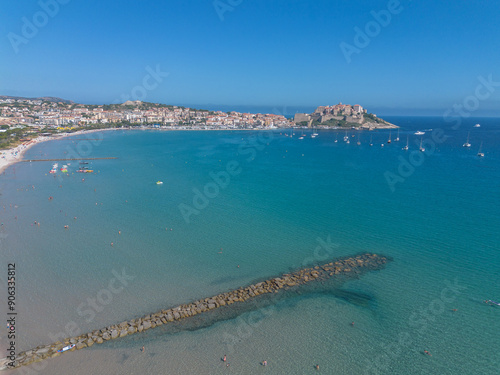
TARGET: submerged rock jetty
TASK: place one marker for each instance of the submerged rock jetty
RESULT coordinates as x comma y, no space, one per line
349,266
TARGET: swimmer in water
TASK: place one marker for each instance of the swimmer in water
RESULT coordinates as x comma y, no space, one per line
426,352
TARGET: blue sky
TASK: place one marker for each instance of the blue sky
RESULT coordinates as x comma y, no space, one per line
426,58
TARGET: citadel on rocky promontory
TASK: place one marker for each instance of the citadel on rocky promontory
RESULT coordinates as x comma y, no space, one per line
342,115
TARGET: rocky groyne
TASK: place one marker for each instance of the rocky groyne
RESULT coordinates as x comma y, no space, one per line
349,266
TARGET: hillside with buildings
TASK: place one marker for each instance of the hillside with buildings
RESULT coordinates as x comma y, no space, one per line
44,113
341,115
27,117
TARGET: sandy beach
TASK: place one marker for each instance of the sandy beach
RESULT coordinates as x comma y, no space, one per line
15,154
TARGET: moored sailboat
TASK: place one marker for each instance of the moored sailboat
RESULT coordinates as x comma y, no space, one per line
467,144
421,148
479,153
406,147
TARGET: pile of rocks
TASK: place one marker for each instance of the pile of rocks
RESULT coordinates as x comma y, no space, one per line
357,264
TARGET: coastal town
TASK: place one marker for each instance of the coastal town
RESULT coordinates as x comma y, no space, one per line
54,114
26,121
64,115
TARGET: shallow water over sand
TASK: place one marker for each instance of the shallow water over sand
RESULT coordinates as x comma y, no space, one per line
439,225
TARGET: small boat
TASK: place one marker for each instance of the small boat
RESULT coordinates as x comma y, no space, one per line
397,138
479,153
358,142
301,137
159,182
389,140
346,138
467,144
419,133
348,141
83,162
64,169
371,143
477,126
69,347
490,302
336,138
54,168
85,170
314,134
382,145
421,148
406,147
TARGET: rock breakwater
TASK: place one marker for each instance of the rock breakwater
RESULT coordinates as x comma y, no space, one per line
348,266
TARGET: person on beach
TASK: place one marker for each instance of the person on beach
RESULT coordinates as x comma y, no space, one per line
316,367
143,349
224,359
264,363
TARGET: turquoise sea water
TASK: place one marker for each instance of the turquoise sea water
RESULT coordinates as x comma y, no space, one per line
439,222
